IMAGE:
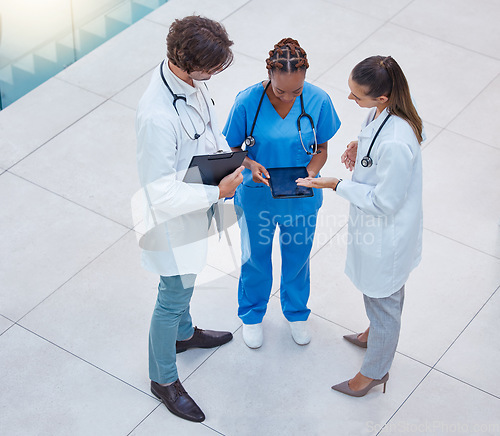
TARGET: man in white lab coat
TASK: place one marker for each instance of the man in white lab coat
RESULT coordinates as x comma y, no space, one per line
175,121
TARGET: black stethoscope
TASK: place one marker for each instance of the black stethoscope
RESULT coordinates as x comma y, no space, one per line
367,161
178,97
250,140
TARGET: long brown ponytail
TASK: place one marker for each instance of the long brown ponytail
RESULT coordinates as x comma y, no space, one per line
382,76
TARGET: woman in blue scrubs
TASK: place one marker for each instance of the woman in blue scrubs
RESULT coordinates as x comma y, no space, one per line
385,218
265,116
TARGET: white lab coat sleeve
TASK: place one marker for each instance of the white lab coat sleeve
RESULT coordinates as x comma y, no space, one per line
167,196
392,178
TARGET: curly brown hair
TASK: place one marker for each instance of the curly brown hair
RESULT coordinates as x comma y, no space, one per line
196,43
287,56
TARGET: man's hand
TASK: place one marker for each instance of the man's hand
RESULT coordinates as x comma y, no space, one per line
228,185
348,158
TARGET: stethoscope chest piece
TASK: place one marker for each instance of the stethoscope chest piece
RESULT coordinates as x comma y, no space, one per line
366,162
249,141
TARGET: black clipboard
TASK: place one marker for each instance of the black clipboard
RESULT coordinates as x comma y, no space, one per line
283,185
210,169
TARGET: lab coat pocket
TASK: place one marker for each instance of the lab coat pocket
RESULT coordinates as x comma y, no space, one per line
366,233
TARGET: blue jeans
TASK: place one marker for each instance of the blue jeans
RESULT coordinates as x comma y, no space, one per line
170,322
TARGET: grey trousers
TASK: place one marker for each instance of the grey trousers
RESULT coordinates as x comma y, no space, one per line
385,324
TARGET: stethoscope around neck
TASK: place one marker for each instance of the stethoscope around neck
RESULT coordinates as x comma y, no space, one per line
250,140
178,97
367,161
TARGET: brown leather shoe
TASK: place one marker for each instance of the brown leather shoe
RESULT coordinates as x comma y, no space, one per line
203,339
178,401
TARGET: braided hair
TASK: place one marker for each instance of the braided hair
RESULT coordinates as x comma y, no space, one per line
287,56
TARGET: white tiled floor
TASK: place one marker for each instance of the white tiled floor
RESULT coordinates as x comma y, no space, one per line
75,303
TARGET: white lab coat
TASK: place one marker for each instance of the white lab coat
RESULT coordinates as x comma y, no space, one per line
172,221
385,219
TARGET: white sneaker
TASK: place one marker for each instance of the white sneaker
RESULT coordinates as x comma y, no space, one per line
252,335
300,332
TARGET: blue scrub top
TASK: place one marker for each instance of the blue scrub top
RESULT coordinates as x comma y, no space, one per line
278,144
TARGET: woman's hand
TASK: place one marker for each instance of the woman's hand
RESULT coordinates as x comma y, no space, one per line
348,158
318,182
258,173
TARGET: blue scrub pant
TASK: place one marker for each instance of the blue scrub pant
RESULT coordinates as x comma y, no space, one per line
254,289
170,322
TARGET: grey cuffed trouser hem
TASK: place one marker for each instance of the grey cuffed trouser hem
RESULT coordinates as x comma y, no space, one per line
385,324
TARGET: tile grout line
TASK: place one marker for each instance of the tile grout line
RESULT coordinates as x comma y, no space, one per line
384,23
470,102
57,134
206,359
447,129
87,362
467,325
144,419
462,243
8,328
224,272
71,278
76,85
468,137
106,99
347,54
330,240
433,368
405,400
446,42
444,373
274,294
236,10
466,383
338,89
71,201
427,143
348,329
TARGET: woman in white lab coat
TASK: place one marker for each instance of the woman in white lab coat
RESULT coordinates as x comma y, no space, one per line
385,219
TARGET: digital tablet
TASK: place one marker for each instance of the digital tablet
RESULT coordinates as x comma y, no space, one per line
283,185
210,169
